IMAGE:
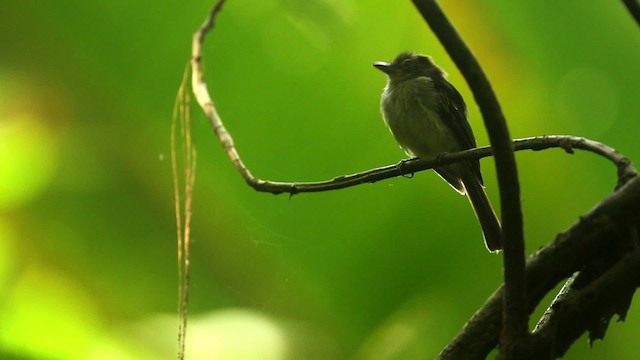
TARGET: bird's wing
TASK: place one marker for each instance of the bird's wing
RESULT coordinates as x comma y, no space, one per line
453,112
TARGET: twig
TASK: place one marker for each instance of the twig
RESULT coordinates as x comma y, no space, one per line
202,93
625,168
183,219
562,295
182,124
634,9
587,240
370,176
581,310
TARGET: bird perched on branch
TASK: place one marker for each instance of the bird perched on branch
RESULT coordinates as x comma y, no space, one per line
428,117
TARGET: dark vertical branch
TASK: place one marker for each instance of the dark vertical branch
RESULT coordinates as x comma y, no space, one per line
634,9
515,315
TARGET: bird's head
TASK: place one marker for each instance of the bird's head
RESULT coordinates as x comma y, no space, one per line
409,65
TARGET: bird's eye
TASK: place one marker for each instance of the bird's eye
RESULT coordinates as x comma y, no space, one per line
406,63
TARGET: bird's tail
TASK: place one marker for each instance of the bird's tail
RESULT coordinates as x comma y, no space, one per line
491,228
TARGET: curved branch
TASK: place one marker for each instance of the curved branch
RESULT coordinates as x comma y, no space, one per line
201,92
594,235
587,308
568,143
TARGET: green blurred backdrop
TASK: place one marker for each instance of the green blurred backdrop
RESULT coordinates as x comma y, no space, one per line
384,271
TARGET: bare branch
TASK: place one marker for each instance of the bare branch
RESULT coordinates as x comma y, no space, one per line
370,176
587,308
547,318
183,198
201,92
593,236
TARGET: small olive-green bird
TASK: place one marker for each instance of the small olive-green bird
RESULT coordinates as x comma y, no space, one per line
427,116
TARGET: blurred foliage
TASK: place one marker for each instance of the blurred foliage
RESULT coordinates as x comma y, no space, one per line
384,271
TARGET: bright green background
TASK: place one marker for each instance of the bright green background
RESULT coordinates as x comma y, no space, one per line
384,271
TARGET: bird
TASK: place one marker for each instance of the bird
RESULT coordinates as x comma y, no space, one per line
428,117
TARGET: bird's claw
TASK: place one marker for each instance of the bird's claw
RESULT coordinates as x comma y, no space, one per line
400,169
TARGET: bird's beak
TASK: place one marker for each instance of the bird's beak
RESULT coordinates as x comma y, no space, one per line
382,66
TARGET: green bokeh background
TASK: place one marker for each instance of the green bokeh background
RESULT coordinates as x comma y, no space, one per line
384,271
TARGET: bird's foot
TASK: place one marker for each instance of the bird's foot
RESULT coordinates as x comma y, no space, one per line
400,168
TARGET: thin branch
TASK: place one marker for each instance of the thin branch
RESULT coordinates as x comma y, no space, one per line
181,123
547,317
587,240
634,9
515,316
177,112
625,169
202,93
370,176
586,308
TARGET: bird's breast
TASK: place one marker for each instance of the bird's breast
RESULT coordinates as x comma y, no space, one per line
410,110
